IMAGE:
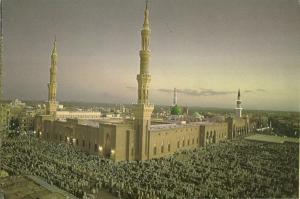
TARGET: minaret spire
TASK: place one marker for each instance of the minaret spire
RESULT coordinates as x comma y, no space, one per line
144,77
52,86
54,46
146,30
238,109
143,109
175,97
146,18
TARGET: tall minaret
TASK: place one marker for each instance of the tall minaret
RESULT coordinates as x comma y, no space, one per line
143,109
238,109
1,49
144,77
175,97
52,85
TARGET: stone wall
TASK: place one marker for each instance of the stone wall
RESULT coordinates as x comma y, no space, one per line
214,132
169,140
118,140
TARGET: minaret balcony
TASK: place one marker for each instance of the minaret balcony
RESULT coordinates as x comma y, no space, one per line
143,78
145,53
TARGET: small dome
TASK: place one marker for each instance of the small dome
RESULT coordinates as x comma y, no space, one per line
176,110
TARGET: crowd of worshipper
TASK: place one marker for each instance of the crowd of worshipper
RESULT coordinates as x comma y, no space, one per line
233,169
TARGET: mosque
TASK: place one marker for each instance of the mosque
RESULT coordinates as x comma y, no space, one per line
136,138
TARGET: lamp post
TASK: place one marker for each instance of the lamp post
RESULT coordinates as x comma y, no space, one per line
67,148
112,152
100,149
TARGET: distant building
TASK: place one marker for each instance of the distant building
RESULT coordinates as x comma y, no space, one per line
197,117
175,97
60,107
238,109
137,138
175,110
18,103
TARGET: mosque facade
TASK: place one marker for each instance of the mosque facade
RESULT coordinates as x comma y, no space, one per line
137,138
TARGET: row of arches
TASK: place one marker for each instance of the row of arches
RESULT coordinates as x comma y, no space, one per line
239,131
105,150
213,136
180,144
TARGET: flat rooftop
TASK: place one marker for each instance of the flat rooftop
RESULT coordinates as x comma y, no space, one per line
174,126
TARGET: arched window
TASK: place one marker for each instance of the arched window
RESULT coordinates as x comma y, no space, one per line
162,148
154,150
169,147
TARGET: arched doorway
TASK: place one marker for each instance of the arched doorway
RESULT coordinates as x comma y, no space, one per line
107,147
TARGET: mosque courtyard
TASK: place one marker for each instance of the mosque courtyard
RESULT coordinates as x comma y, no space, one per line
232,169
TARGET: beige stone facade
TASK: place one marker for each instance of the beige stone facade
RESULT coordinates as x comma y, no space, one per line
135,139
63,115
238,127
119,140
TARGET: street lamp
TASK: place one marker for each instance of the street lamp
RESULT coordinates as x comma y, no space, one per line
112,152
100,148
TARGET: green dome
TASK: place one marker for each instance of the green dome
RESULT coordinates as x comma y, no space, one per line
196,115
175,110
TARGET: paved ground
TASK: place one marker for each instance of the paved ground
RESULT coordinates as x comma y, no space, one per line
21,187
29,187
49,187
271,138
